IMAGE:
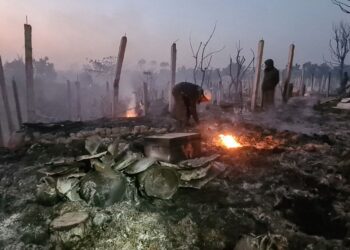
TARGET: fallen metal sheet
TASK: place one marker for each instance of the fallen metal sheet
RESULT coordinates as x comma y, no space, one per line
193,174
92,144
169,165
126,161
58,170
140,166
68,187
61,161
345,100
341,105
90,157
216,168
159,182
198,162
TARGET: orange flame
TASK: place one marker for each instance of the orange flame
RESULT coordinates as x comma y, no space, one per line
131,113
229,141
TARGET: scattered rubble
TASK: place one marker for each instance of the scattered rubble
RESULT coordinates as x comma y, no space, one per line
88,188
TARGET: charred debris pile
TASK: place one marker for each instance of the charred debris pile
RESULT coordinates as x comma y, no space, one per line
92,185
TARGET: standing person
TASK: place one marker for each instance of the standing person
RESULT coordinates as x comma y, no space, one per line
271,79
186,97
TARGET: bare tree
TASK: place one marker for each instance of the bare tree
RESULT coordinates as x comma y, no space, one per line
340,45
241,69
344,5
202,58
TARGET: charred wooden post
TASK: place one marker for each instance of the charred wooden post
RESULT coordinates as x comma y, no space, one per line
312,81
29,72
302,84
145,97
77,84
257,75
5,99
329,82
107,102
69,101
173,75
18,106
2,144
289,73
120,60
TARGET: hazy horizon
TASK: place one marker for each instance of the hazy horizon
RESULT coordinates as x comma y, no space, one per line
68,32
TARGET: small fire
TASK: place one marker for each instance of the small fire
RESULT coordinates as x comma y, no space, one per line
229,141
131,113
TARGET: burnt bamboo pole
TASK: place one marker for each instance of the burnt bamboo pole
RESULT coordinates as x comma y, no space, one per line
107,102
329,82
17,103
289,73
302,88
173,74
10,123
145,97
2,144
120,60
77,84
256,82
69,101
29,72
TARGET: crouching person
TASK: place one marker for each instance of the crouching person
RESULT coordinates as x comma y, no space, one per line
186,97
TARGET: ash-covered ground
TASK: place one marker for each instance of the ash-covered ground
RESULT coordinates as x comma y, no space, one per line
288,187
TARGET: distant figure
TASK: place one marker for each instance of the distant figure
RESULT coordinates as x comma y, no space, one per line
343,83
186,97
271,79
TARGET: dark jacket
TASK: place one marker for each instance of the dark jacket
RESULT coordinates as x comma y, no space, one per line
188,90
271,79
187,95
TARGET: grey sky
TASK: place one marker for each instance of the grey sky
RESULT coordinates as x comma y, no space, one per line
69,31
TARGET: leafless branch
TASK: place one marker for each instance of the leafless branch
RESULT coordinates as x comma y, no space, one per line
344,5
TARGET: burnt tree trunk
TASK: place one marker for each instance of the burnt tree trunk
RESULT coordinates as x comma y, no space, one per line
173,75
77,84
145,97
289,73
29,73
329,83
10,124
120,60
257,75
69,101
17,103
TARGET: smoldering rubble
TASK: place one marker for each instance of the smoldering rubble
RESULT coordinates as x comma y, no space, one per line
90,185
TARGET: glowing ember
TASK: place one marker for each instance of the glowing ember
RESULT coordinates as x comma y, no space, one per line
131,113
229,141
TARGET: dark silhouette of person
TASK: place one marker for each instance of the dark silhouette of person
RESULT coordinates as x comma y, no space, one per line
271,79
343,83
186,97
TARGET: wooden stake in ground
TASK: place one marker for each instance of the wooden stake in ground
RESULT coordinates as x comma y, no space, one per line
256,83
120,60
289,72
77,84
302,85
145,97
107,103
1,137
69,101
5,99
29,73
329,82
18,106
173,74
